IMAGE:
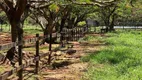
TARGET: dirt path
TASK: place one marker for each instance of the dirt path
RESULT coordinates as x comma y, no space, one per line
6,37
69,67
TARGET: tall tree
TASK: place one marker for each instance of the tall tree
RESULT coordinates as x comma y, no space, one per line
108,16
16,11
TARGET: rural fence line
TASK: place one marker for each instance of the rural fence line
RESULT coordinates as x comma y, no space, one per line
65,34
68,35
13,44
27,63
6,74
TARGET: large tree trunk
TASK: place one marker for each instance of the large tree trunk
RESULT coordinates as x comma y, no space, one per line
47,31
62,24
16,30
13,31
45,34
111,28
71,23
63,21
112,23
106,21
14,13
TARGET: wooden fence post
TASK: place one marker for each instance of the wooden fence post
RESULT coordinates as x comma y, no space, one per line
77,33
87,28
37,54
50,49
61,39
81,32
20,46
67,35
72,34
1,27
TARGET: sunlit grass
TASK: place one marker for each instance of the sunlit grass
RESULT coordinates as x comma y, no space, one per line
28,29
120,60
31,29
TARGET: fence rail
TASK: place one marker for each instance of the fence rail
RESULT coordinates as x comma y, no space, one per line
67,34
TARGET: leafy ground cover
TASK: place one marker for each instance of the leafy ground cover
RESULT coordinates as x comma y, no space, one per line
121,59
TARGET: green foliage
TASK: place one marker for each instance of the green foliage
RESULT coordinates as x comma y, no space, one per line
121,60
82,23
87,1
2,14
124,12
3,17
53,7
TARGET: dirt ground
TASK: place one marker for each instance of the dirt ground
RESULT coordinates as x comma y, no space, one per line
72,68
67,66
6,37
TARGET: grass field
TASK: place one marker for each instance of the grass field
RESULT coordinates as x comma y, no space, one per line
120,60
28,29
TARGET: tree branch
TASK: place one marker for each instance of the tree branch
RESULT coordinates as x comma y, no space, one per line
20,7
98,3
9,3
41,6
3,6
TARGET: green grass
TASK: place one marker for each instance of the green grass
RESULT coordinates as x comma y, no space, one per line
91,38
120,60
88,38
5,28
28,29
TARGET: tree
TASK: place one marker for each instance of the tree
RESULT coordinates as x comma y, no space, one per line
129,13
108,16
77,14
106,11
16,12
46,17
113,13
